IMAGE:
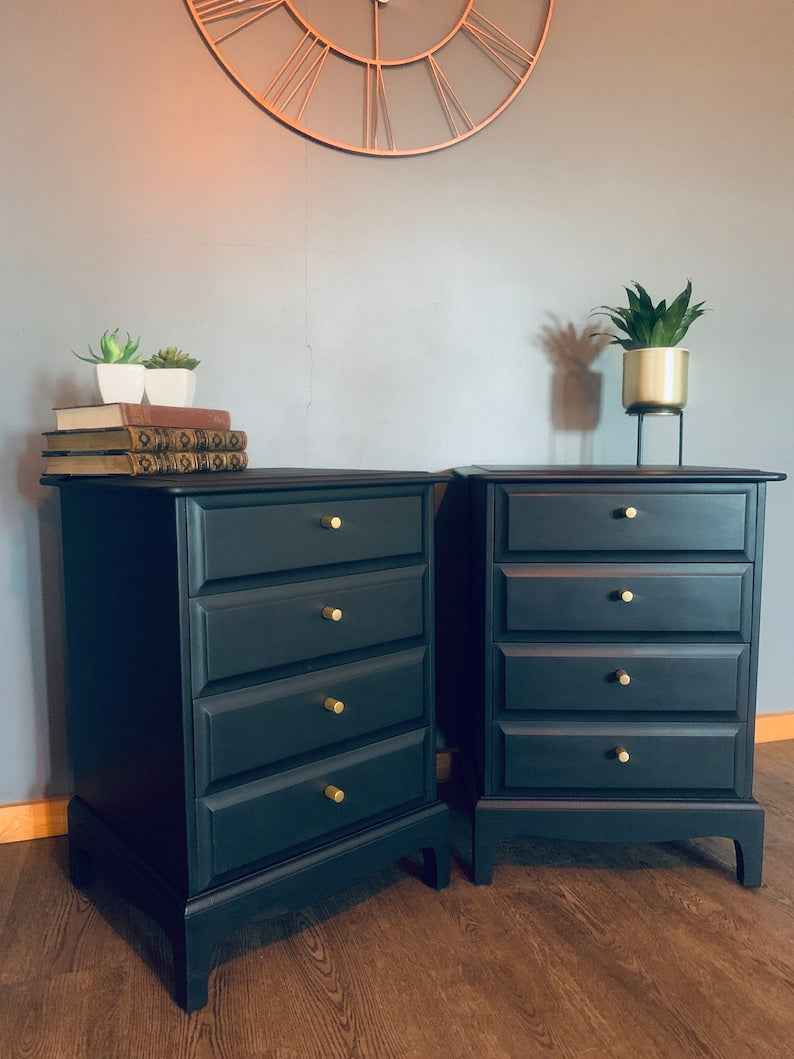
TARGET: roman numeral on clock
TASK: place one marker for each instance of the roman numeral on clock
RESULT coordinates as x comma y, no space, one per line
220,10
507,53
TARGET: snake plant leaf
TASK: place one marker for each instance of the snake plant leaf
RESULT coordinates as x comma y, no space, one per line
658,335
683,298
635,306
645,324
646,305
686,320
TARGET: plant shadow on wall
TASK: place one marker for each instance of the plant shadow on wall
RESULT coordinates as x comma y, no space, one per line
575,393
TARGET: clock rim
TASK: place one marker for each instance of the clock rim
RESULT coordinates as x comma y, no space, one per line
377,64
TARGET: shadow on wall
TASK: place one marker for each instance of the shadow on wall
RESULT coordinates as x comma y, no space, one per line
575,388
44,579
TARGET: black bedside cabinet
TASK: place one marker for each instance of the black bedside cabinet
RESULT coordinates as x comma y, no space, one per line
251,692
612,644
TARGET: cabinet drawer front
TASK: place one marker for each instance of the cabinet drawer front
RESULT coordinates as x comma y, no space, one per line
661,757
257,727
543,522
684,599
241,633
229,541
615,677
260,821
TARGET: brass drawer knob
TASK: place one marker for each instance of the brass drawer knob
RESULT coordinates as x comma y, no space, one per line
334,705
334,793
622,677
626,595
332,613
330,522
622,754
629,512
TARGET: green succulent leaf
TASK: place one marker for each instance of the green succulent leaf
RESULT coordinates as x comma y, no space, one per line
109,344
91,359
171,357
131,347
111,350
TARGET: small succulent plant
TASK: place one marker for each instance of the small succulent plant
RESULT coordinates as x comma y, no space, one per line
171,357
647,325
112,351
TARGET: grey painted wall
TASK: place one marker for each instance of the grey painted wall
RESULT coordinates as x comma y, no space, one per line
387,313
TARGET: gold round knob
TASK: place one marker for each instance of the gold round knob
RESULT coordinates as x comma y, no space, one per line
334,705
332,613
629,512
622,754
626,595
334,793
622,677
330,522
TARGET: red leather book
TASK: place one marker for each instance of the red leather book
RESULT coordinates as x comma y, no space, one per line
87,417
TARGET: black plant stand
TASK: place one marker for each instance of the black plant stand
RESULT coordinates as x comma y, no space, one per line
679,412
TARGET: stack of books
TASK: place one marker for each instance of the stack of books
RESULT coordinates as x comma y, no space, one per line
142,439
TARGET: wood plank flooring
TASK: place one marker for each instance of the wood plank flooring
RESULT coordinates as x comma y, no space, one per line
576,950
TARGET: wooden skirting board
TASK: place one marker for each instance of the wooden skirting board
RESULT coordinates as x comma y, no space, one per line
772,727
33,819
46,818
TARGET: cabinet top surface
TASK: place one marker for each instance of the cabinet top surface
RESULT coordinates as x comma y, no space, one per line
616,473
249,480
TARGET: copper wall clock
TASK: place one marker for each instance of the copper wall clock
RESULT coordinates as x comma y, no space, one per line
378,77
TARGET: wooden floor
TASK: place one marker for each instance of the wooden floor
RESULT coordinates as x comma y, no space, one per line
580,951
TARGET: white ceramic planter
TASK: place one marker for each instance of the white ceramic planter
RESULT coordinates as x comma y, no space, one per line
121,382
171,386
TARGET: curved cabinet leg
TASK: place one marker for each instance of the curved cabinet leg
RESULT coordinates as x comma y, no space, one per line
80,841
192,955
749,856
483,849
437,865
81,867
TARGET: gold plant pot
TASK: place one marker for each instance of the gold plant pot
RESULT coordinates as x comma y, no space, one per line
655,380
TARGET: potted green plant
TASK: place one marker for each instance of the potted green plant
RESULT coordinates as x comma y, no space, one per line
655,366
120,375
169,377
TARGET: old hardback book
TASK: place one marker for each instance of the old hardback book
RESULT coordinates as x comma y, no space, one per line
144,463
87,417
144,439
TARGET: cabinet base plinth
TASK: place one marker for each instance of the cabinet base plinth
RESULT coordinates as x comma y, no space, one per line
614,821
194,926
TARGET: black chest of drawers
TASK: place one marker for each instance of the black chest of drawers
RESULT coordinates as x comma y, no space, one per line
612,638
251,692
